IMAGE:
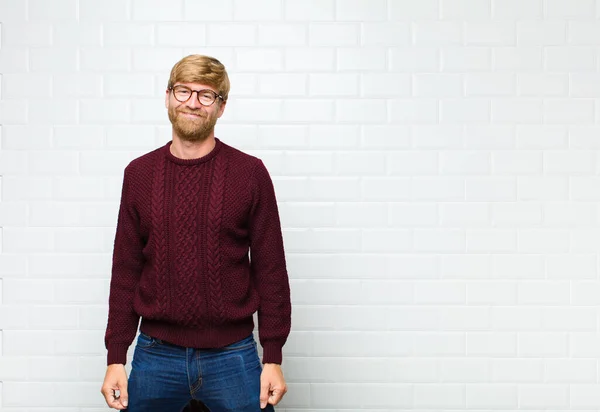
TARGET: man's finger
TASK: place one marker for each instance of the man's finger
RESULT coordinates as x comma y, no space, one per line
123,397
111,399
276,396
265,386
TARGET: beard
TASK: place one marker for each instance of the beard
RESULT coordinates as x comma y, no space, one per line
192,129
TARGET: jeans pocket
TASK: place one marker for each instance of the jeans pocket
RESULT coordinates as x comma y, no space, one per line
144,341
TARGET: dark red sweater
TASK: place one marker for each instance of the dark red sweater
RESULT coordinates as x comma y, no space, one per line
181,254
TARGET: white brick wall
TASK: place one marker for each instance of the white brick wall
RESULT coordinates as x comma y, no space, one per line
436,163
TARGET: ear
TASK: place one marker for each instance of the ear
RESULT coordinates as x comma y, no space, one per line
222,108
167,99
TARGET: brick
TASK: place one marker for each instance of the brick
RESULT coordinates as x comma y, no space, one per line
518,370
494,34
70,137
288,35
238,34
463,214
263,110
517,111
93,111
583,33
365,215
181,35
413,163
197,10
303,111
361,111
542,188
436,136
491,189
490,84
259,10
464,111
76,34
120,34
437,34
570,59
26,34
13,10
26,86
466,59
437,189
78,188
494,396
386,34
465,163
493,293
413,111
309,10
157,10
334,188
437,85
120,85
517,215
59,10
14,59
543,84
333,136
333,84
53,59
384,136
410,11
259,59
520,59
517,9
353,59
491,241
569,111
309,163
437,395
361,10
333,34
105,59
303,215
359,164
283,84
569,162
464,370
76,85
465,9
416,59
109,10
25,137
155,59
385,85
517,163
569,9
584,395
541,137
14,111
541,33
386,240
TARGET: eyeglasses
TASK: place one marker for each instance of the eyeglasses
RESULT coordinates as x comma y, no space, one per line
206,97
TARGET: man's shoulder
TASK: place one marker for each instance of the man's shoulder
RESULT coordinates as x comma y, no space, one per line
240,158
144,161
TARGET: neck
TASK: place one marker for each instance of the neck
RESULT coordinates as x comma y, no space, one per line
191,150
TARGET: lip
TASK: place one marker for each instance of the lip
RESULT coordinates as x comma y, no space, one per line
191,115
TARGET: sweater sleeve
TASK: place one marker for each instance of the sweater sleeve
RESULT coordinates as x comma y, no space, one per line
268,267
127,265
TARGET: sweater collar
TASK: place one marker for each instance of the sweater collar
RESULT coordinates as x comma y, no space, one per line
191,162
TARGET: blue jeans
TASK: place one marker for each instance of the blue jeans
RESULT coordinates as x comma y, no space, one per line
165,377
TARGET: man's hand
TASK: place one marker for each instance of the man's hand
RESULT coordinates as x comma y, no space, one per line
272,385
115,380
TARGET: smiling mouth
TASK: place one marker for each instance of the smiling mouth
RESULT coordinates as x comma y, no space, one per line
191,115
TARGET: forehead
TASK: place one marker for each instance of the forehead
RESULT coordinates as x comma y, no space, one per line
195,86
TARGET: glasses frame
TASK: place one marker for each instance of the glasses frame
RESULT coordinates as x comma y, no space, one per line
216,95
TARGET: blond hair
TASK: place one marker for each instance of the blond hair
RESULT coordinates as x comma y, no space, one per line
197,68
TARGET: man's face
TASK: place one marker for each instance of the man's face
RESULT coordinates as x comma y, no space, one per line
193,121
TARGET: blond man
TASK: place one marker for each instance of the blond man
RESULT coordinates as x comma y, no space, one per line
198,250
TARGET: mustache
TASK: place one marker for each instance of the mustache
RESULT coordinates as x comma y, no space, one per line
198,113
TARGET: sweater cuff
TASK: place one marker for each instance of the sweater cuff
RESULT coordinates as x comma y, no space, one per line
117,353
272,353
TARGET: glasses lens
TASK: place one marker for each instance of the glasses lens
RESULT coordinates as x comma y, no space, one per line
181,93
206,97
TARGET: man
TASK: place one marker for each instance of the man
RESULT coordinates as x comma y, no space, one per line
198,250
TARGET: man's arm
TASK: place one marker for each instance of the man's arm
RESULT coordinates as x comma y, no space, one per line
268,267
126,269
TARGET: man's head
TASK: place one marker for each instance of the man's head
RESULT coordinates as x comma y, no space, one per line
196,96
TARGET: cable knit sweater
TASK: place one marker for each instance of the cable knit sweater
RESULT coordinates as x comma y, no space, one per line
198,250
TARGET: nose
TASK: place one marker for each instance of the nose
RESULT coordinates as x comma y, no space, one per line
193,102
